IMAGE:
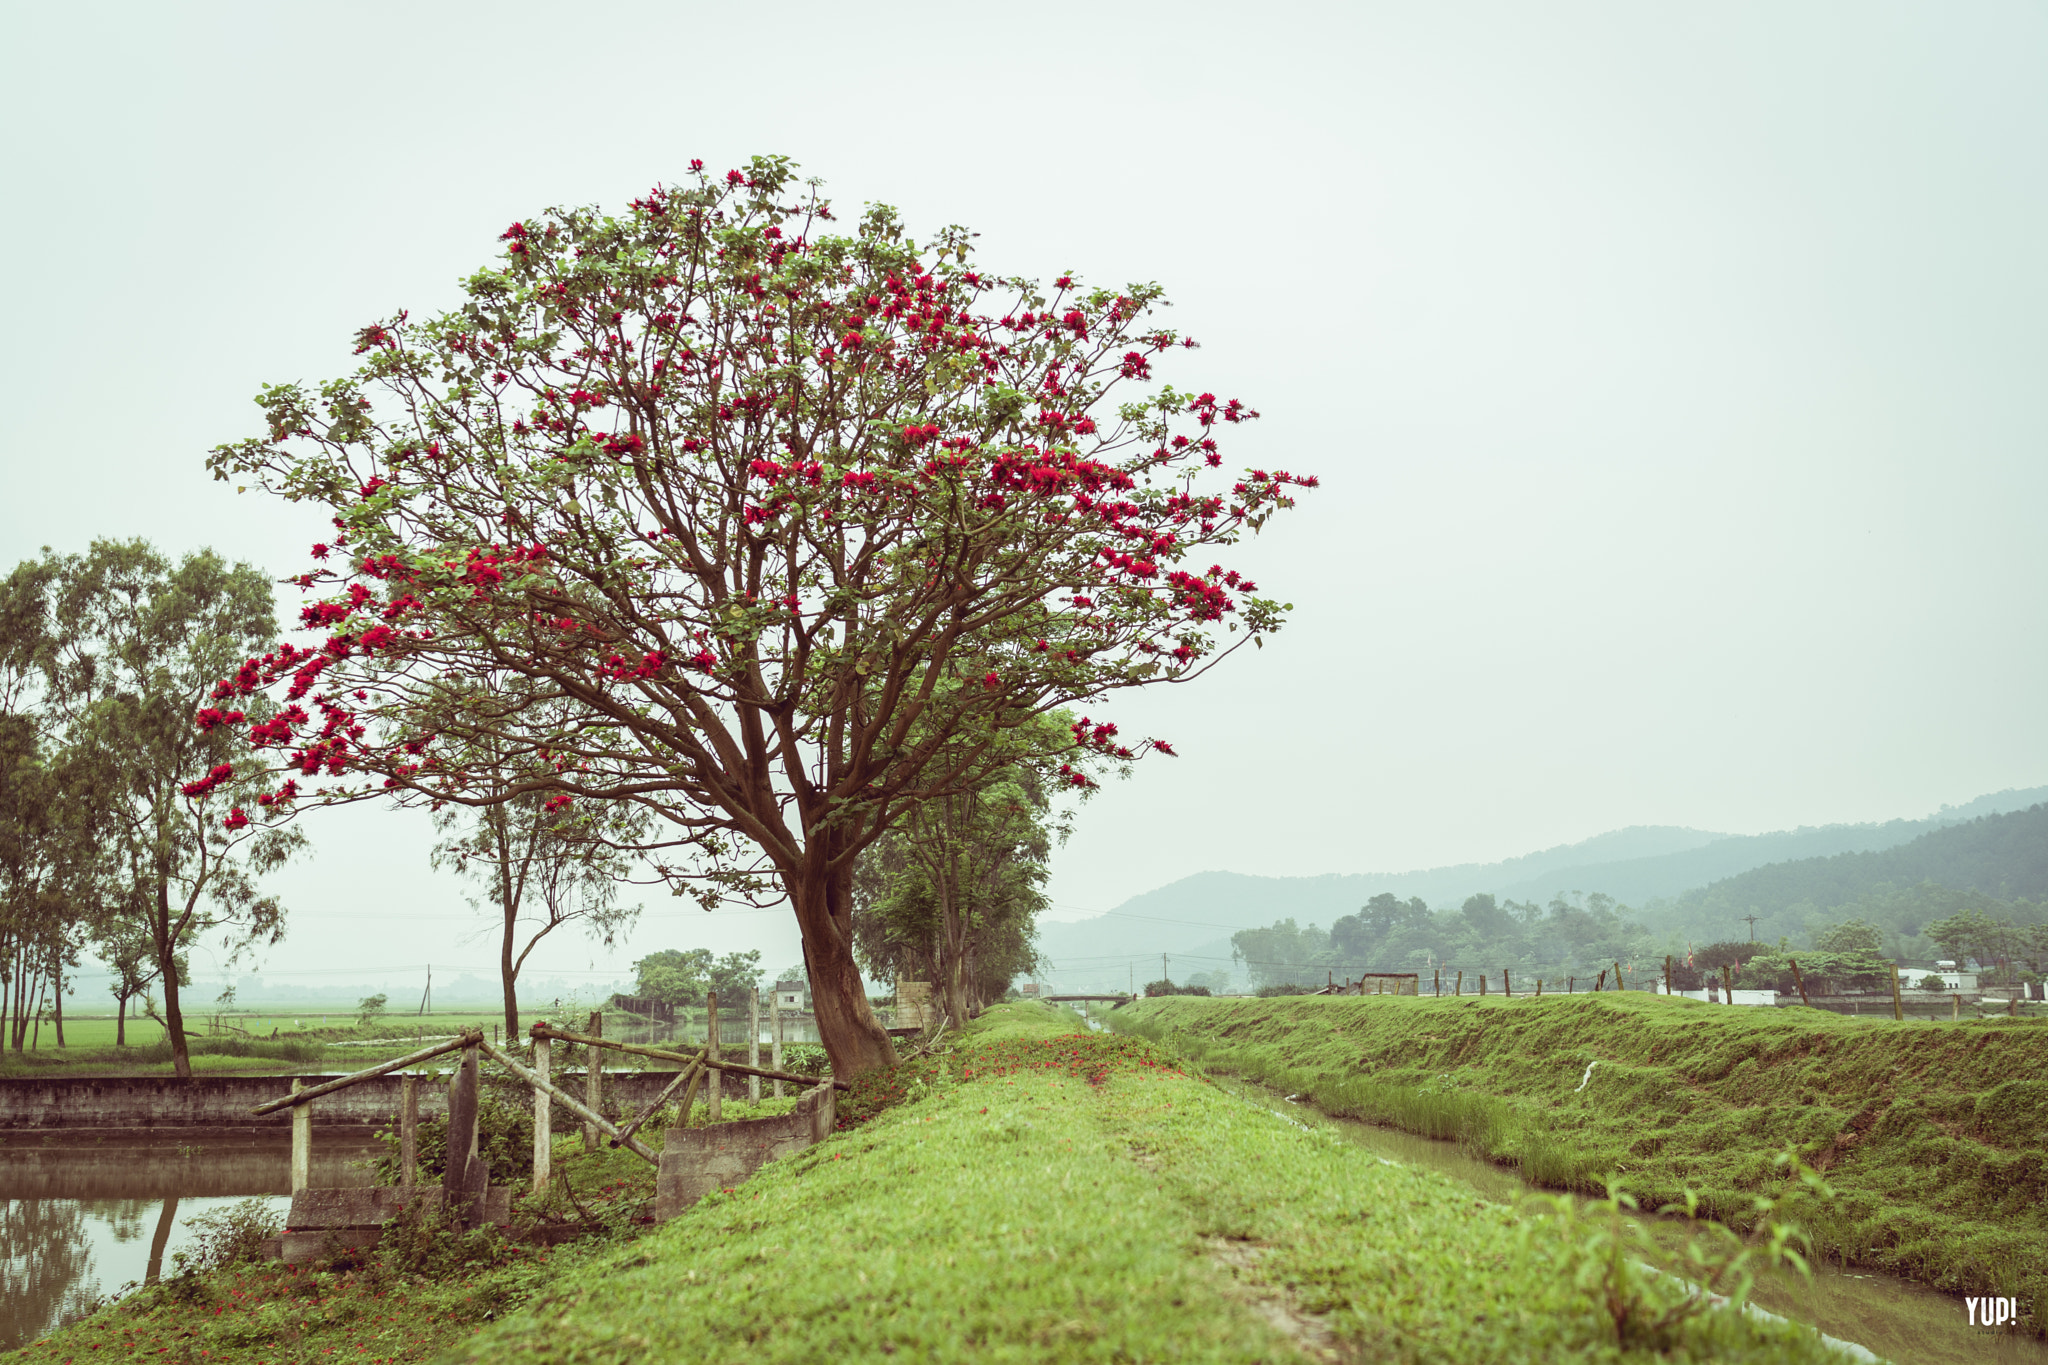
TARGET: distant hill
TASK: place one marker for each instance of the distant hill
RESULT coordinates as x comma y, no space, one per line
1197,914
2000,855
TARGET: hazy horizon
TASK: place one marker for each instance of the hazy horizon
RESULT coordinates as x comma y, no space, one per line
1673,376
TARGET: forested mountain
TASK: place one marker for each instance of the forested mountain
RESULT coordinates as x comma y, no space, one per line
2005,856
1729,877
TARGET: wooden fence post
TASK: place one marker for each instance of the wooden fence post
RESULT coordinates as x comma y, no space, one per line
302,1140
593,1082
1898,1009
775,1042
1539,988
1600,982
1506,987
1618,983
462,1181
1667,973
1569,983
1437,977
1482,983
1955,1007
1459,988
716,1094
408,1133
543,1115
754,1042
1800,982
1727,984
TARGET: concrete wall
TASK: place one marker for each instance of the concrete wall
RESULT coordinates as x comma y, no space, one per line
696,1161
74,1102
1741,996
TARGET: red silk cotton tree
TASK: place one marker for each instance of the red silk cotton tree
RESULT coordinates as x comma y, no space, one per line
782,529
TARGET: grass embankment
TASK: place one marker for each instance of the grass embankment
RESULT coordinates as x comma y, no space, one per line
1934,1135
1041,1195
1033,1194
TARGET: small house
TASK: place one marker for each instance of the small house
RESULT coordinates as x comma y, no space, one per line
789,995
1951,980
1029,990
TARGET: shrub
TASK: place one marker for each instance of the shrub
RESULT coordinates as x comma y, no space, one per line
228,1236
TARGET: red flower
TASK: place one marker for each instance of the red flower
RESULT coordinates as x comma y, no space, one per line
236,819
991,682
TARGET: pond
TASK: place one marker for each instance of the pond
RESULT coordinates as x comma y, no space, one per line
78,1222
1898,1319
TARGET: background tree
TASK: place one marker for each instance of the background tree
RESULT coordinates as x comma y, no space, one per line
1282,954
122,650
784,527
126,948
952,894
677,976
1850,936
539,869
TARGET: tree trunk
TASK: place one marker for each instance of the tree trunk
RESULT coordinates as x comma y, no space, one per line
508,971
60,1000
852,1038
165,1221
953,959
121,1022
167,967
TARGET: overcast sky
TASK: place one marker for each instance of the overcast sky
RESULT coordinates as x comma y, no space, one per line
1674,373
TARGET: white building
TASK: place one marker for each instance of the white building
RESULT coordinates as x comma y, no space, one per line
789,995
1951,979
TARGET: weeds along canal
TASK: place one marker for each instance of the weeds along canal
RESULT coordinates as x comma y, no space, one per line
80,1219
1901,1321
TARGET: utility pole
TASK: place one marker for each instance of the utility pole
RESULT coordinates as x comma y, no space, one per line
1752,926
1164,975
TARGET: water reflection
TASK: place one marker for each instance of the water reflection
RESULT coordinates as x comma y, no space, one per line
1896,1318
45,1268
78,1223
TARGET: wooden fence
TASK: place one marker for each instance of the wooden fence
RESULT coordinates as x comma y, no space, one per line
320,1216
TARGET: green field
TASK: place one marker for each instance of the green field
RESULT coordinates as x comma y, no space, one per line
1933,1135
303,1042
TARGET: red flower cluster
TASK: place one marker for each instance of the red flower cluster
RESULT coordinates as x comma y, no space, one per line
221,773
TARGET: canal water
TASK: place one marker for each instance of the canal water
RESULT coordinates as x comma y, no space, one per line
79,1222
1897,1319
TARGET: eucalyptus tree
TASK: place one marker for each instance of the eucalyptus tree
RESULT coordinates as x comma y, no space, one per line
540,869
118,650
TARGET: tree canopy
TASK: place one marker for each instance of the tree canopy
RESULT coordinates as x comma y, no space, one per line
784,526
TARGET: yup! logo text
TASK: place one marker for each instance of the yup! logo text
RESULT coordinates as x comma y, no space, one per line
1992,1311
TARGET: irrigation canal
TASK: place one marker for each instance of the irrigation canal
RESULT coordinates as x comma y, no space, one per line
79,1222
1904,1322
